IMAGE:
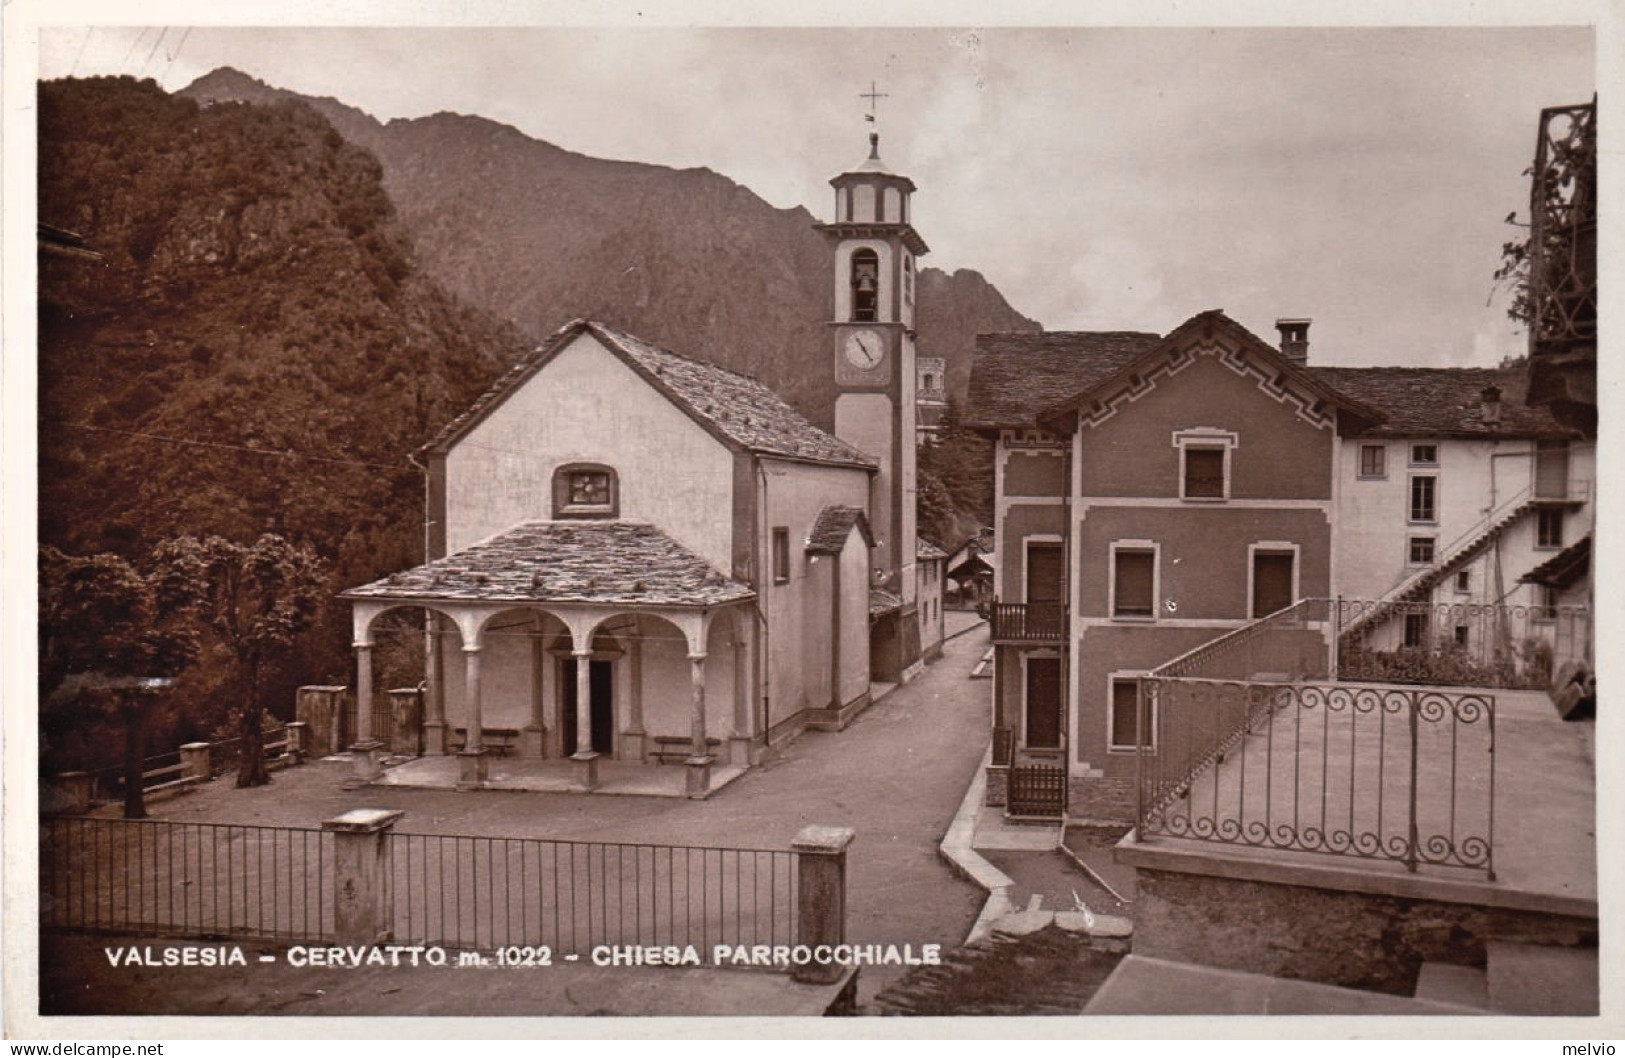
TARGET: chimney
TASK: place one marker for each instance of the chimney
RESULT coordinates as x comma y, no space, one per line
1490,411
1295,339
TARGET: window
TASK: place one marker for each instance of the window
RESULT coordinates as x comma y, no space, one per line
1134,582
1273,581
1425,455
1204,463
585,490
1464,581
781,555
1416,630
1204,473
1549,528
865,285
1124,732
1424,499
1545,603
1551,469
1373,461
1419,551
1461,636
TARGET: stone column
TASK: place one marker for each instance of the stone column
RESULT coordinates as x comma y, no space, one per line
472,767
533,737
360,912
366,750
586,758
821,911
195,761
699,753
434,724
635,739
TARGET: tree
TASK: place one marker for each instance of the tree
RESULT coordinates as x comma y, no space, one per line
956,480
255,600
107,635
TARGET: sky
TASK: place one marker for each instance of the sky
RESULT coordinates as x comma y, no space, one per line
1103,178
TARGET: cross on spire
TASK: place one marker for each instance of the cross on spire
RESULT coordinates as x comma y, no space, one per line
873,95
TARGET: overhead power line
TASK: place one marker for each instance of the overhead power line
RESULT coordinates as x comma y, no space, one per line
279,453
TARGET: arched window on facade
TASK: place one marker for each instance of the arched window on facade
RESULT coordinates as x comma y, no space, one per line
585,490
865,285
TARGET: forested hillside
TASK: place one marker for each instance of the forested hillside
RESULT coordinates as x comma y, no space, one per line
255,347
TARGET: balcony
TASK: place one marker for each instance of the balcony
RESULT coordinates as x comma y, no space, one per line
1018,624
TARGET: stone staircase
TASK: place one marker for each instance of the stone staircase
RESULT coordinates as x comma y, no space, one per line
1518,979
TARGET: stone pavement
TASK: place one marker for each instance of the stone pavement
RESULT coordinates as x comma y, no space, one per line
896,776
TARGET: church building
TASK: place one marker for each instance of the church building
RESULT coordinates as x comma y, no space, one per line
640,556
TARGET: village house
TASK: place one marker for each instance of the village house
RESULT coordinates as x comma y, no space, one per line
640,556
1156,493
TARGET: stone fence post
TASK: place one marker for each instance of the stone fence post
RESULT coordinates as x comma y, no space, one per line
360,915
821,876
298,732
323,709
195,763
406,714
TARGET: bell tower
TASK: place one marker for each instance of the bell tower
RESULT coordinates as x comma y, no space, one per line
872,355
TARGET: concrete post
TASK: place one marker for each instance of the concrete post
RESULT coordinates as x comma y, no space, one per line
298,739
821,877
321,708
699,753
195,762
472,771
360,914
406,712
367,751
586,758
75,788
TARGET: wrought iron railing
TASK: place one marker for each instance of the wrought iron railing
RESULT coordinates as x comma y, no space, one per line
1294,643
146,876
472,892
176,879
1388,773
1028,622
1458,644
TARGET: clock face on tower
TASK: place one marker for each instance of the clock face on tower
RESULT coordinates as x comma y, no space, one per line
864,349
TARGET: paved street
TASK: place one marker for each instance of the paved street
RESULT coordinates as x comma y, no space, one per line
895,776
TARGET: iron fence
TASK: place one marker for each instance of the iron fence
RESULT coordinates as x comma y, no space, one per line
472,892
1458,644
1392,773
146,876
1294,643
156,877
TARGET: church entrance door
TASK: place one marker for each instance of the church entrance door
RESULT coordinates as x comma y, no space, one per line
601,679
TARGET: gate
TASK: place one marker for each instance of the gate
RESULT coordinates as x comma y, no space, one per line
1037,790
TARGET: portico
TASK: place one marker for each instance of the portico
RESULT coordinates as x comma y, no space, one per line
581,642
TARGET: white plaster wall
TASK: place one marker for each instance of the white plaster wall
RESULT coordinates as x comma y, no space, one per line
587,406
854,603
799,610
668,686
1373,515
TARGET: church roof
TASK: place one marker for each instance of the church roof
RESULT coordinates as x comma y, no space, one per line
835,523
1014,377
737,409
1443,401
623,563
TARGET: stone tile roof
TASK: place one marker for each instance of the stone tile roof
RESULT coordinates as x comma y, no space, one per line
925,549
834,524
1442,401
1015,376
736,408
619,562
